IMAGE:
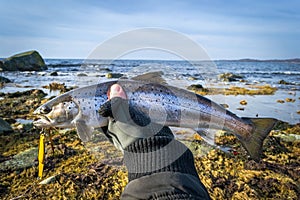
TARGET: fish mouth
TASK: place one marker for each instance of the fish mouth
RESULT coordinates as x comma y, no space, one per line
42,121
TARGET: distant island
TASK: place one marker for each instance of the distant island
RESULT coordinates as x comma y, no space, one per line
293,60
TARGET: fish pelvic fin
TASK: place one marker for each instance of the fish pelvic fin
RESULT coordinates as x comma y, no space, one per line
84,131
262,128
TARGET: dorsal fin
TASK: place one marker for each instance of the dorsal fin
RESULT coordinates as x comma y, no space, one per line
154,77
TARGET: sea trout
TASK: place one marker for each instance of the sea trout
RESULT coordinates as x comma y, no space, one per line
166,105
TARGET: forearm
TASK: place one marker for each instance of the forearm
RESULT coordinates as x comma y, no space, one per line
161,166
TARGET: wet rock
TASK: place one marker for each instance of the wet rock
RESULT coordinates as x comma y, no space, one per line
243,102
283,82
27,61
198,88
292,93
56,86
54,73
229,77
82,74
243,81
280,101
290,100
4,80
113,75
195,87
4,126
21,160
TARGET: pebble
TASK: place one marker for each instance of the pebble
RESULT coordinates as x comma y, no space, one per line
49,180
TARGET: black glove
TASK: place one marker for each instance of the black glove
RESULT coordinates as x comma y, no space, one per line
127,124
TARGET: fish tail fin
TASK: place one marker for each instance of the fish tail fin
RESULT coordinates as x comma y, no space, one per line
262,128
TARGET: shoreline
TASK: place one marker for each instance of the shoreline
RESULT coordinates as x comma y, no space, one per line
73,171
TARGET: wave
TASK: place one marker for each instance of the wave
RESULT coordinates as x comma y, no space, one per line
63,65
270,72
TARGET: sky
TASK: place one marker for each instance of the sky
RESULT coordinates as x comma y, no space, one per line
268,29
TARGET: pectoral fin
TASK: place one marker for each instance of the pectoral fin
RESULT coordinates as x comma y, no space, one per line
84,132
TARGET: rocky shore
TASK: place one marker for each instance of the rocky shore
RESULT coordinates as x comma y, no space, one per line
73,172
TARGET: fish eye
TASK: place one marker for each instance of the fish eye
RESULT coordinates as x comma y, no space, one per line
45,110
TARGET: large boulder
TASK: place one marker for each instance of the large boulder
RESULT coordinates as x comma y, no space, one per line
4,126
27,61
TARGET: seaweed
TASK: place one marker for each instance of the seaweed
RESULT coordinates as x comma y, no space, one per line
76,173
235,90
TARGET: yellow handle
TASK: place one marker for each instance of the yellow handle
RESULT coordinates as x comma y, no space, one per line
41,155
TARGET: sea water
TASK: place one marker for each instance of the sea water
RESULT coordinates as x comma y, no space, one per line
79,72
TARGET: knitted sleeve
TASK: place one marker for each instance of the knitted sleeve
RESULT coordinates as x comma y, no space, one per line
161,167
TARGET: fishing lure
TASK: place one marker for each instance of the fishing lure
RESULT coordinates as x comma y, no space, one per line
41,155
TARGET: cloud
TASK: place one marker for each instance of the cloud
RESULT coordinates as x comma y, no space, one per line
226,29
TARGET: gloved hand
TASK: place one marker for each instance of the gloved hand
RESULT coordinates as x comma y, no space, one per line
148,148
127,124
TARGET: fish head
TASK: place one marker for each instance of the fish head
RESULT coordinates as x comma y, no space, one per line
58,115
